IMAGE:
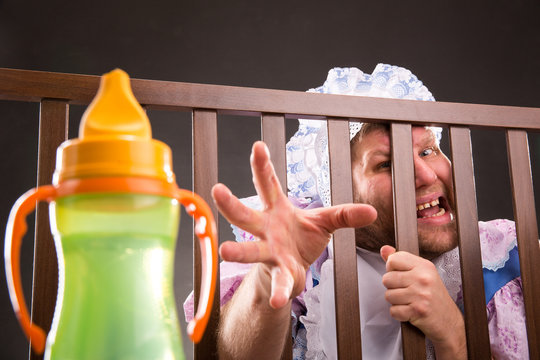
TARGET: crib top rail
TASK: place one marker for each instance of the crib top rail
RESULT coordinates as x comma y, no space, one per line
26,85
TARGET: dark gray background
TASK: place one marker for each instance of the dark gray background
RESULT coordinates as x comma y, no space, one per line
486,52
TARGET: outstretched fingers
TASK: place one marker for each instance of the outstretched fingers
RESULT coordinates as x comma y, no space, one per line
282,281
235,212
264,176
245,252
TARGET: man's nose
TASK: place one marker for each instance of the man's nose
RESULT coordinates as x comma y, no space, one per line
423,173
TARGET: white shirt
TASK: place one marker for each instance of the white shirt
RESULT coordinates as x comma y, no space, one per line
381,334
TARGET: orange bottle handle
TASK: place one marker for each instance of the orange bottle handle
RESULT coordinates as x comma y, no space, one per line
16,228
205,229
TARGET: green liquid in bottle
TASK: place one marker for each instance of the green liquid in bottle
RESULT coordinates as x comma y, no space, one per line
118,300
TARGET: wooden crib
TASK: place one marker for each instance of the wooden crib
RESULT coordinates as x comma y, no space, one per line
55,92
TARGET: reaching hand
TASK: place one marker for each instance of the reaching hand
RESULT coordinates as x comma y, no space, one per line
418,295
289,239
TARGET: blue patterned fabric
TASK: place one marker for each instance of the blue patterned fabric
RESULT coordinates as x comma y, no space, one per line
495,280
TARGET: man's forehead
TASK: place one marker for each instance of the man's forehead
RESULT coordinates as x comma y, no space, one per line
377,142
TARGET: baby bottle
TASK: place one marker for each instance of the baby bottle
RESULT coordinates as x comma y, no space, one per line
114,214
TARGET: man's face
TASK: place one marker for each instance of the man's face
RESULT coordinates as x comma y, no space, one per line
372,179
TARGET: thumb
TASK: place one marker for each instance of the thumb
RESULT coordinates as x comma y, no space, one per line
346,215
386,251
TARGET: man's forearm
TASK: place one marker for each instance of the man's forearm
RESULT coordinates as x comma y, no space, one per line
454,345
249,327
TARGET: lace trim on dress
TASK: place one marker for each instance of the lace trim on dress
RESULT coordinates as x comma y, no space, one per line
450,272
311,322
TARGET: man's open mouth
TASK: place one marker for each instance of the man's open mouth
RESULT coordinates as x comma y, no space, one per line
436,207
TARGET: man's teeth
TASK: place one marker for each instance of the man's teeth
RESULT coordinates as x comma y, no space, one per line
437,214
427,205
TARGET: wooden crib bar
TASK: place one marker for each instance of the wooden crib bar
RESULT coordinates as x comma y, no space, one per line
527,232
205,175
469,243
53,128
406,232
345,272
273,134
56,91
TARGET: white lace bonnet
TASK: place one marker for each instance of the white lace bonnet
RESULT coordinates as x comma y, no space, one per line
307,154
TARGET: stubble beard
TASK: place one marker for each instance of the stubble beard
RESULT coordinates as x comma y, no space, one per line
433,240
379,233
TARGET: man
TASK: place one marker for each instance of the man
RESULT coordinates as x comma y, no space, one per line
394,286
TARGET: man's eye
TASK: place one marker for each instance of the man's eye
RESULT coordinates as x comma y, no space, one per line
383,165
427,152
